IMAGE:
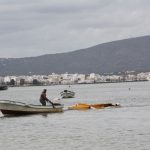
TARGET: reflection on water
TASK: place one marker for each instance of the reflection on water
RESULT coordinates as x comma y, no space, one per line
111,128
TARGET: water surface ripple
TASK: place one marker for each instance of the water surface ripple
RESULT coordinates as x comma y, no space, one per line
125,128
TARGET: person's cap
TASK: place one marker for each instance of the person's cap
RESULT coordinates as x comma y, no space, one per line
45,90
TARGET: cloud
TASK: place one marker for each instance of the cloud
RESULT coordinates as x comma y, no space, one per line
36,27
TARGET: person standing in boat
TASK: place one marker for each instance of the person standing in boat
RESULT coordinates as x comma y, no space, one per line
44,99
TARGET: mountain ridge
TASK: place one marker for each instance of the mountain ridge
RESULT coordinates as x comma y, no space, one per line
115,56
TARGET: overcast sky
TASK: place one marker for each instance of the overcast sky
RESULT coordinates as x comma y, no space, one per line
37,27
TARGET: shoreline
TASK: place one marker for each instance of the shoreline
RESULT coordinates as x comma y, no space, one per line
76,83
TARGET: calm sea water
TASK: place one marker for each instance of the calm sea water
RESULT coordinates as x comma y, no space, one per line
125,128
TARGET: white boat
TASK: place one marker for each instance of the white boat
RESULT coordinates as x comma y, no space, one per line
67,94
9,107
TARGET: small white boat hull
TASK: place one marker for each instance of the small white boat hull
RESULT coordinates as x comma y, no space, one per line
67,94
8,107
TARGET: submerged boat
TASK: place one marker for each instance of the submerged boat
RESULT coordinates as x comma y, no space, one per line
99,106
79,106
67,94
8,107
3,87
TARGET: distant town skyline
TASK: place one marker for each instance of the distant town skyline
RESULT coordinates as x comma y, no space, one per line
33,28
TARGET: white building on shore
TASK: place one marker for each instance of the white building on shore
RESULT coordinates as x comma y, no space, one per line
66,78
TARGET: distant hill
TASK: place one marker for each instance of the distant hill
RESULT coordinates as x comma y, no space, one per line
116,56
